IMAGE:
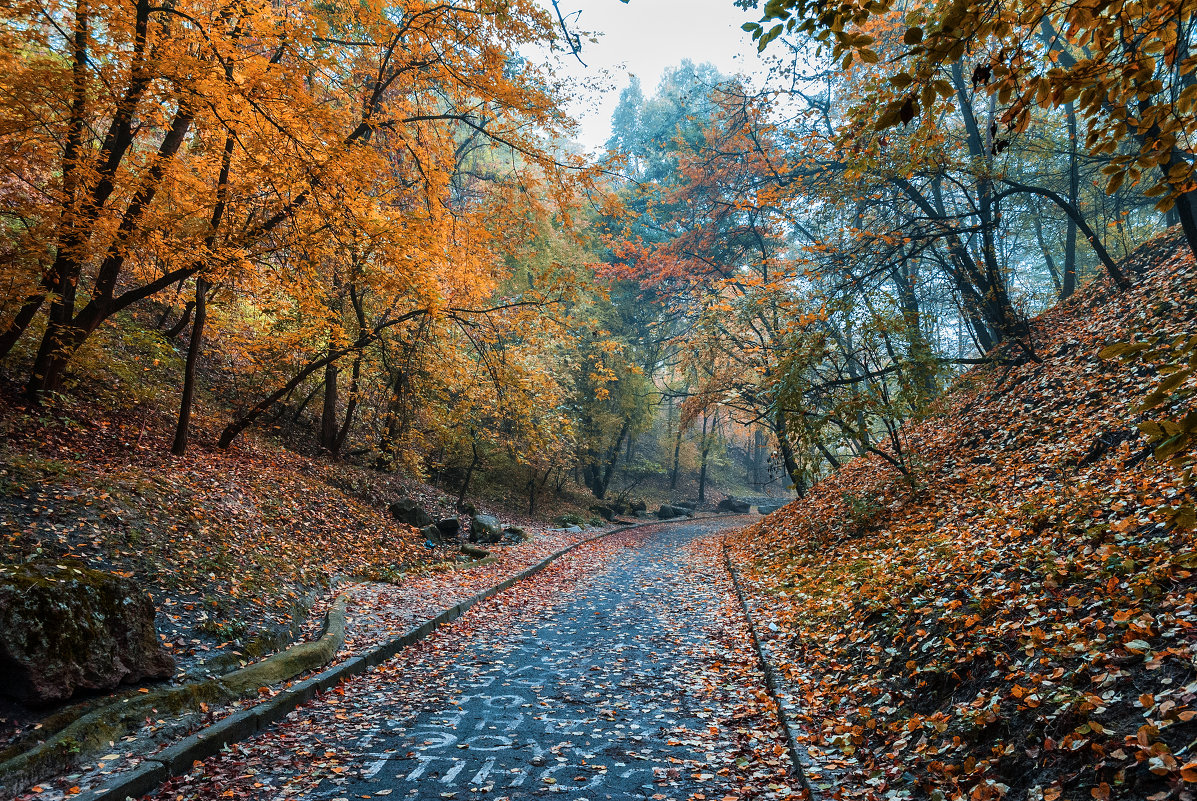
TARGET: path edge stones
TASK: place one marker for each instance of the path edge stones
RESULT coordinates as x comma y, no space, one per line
177,759
798,755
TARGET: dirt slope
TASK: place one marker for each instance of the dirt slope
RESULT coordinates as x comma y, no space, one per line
234,548
1019,624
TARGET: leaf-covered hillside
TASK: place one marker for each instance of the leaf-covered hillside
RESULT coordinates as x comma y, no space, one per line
1020,624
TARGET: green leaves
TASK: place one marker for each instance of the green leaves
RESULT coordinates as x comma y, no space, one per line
765,39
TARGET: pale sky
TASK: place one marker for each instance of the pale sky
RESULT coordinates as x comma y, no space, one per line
644,37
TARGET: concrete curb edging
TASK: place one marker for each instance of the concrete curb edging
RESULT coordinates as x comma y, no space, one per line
798,756
178,758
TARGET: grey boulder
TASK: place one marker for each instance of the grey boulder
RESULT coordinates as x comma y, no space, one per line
407,510
605,512
66,628
515,534
485,529
733,505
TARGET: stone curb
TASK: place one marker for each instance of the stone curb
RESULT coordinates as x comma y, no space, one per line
798,755
177,759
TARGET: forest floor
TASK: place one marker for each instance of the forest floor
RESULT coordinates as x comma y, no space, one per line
1015,620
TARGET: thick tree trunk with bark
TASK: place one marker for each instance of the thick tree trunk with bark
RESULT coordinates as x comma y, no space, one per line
1068,279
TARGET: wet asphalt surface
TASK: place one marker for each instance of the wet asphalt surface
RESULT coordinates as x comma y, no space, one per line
589,698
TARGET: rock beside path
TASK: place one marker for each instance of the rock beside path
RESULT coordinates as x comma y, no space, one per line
485,529
408,510
65,628
733,505
515,534
605,512
432,535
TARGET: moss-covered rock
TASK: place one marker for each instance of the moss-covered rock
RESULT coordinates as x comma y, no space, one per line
485,529
65,628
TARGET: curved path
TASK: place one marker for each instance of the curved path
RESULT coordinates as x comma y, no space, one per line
622,672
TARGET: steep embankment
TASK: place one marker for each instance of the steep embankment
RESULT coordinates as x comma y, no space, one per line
240,551
1020,624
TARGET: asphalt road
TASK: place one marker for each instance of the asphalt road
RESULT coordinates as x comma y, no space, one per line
592,697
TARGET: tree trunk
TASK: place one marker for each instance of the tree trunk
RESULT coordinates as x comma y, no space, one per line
388,446
598,475
532,490
328,412
71,160
194,347
1068,280
350,404
1186,209
67,331
677,458
1047,257
183,322
793,470
465,484
60,342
